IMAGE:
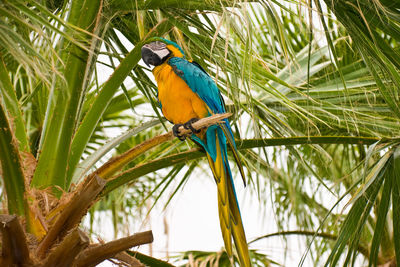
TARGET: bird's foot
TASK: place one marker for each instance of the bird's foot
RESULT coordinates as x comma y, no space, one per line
188,125
175,131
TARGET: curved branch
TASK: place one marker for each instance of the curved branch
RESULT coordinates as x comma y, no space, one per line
296,232
363,250
154,165
312,140
115,164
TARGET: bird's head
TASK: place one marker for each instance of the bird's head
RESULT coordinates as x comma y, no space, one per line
157,50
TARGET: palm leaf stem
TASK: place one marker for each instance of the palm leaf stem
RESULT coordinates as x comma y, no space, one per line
143,169
363,250
64,103
11,104
115,164
11,165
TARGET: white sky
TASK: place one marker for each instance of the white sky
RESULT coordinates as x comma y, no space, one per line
194,224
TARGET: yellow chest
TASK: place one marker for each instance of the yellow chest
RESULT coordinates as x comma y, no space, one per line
179,103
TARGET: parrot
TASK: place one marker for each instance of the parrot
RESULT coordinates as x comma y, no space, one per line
186,93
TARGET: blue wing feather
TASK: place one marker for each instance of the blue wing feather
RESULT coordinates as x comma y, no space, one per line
199,81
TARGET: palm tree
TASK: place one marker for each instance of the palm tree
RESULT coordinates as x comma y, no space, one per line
315,108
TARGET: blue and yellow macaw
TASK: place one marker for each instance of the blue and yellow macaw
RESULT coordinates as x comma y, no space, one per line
187,93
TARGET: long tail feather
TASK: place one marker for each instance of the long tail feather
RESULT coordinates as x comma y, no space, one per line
230,219
223,205
232,145
238,234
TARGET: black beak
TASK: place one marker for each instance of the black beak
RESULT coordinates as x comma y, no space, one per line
150,58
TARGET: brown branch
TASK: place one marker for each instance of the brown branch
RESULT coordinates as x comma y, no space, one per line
95,255
14,245
128,259
205,122
64,254
107,170
116,163
73,212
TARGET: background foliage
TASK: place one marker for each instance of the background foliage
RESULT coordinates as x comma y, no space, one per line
313,86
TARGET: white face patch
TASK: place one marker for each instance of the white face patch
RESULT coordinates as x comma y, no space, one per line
158,48
162,53
155,53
